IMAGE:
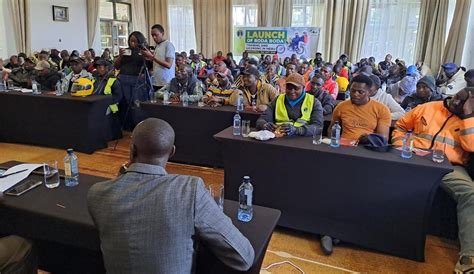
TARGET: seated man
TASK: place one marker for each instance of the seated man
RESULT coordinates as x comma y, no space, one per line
423,69
294,113
257,94
150,221
47,77
290,68
305,70
452,79
17,256
360,115
381,96
76,73
271,76
329,84
426,91
328,103
22,76
451,121
402,89
105,83
197,64
185,81
218,96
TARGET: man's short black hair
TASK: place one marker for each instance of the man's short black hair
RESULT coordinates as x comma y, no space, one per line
469,74
159,28
363,79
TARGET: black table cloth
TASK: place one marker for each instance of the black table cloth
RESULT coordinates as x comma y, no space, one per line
58,221
194,127
54,121
377,200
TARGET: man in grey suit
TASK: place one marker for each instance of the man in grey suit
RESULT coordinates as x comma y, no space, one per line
150,221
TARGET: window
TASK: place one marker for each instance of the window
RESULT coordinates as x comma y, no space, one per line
115,17
181,19
308,13
391,28
244,13
468,53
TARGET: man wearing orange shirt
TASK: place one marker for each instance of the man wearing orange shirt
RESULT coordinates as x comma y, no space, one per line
360,115
330,85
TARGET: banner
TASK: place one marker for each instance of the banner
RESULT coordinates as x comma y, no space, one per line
303,41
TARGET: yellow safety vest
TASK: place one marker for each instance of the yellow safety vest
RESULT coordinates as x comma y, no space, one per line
108,91
281,114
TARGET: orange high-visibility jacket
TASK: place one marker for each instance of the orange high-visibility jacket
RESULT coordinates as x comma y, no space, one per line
433,122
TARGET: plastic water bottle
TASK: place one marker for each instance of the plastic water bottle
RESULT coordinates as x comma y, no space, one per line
245,212
166,97
336,135
240,102
236,125
59,91
34,87
347,95
185,98
71,171
407,148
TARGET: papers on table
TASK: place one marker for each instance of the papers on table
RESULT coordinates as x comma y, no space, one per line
25,90
9,181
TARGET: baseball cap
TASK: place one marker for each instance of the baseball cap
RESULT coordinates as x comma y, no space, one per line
295,79
252,71
450,67
75,59
411,69
41,65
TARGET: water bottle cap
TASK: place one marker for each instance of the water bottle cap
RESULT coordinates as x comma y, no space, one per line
70,150
246,177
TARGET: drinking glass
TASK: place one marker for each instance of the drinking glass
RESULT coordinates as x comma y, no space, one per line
217,192
438,152
318,135
51,174
245,128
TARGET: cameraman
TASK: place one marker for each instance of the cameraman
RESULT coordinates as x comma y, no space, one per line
163,58
131,63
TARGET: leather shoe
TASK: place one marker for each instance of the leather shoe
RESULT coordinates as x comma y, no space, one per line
326,244
465,265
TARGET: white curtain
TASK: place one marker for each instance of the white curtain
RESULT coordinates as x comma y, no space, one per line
93,8
274,13
182,31
391,28
138,17
19,10
468,54
453,51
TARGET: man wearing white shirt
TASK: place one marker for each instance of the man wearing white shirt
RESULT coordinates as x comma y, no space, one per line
379,95
163,58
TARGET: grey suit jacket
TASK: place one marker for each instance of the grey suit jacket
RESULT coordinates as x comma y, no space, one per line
150,222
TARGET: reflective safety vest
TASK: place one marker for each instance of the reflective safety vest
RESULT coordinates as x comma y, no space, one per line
281,114
108,91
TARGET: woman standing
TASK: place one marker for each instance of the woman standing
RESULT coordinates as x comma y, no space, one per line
131,64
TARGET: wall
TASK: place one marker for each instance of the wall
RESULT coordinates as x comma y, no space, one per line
46,33
7,39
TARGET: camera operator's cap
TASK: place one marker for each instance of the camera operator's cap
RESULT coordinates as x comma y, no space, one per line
295,79
75,59
100,62
42,65
450,67
252,71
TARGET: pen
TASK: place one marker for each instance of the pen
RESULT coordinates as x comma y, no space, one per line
19,171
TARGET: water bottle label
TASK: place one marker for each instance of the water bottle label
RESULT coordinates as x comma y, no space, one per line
411,145
248,193
74,169
67,169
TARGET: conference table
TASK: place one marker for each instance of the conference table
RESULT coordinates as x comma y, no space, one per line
67,240
54,121
373,199
194,127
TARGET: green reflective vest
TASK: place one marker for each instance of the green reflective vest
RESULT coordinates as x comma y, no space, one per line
281,114
108,91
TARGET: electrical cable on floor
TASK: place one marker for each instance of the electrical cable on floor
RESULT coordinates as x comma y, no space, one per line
288,255
284,262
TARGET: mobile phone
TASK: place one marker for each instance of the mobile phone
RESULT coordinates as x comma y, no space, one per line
127,52
23,187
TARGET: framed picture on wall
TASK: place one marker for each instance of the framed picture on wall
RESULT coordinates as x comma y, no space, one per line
60,14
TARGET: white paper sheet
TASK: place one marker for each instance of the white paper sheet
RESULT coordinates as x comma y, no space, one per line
25,90
9,181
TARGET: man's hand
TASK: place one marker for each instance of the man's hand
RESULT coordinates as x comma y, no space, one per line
269,126
147,54
291,130
174,97
121,52
261,108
